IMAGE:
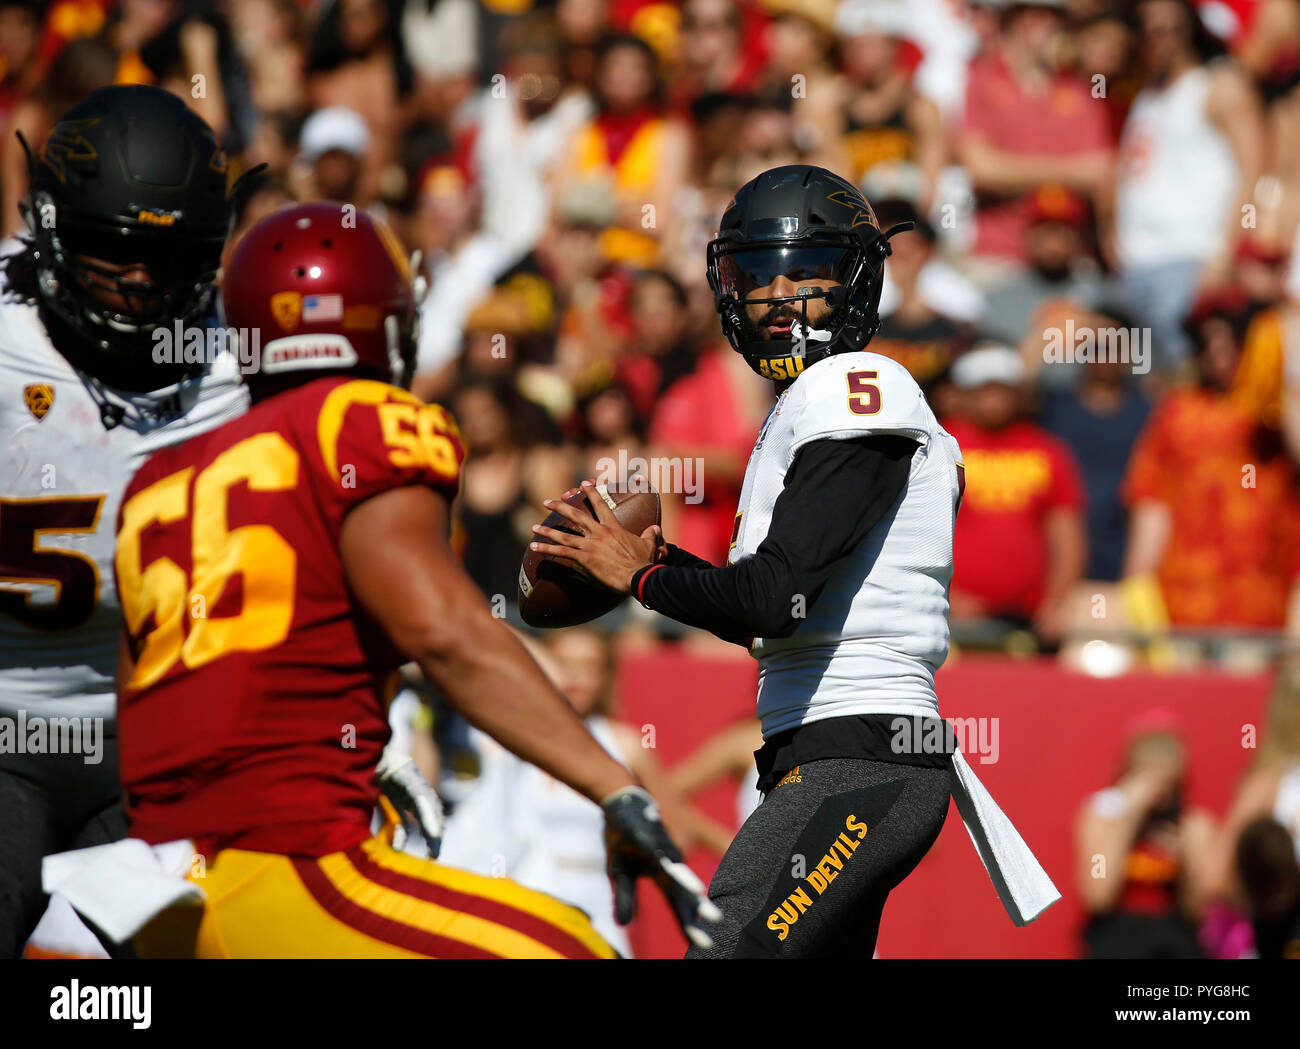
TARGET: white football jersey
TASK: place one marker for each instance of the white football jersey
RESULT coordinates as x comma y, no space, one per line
874,638
61,479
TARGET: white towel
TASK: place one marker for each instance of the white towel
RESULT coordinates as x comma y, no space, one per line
119,887
1021,883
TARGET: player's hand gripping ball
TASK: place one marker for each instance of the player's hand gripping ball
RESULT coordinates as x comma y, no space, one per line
555,588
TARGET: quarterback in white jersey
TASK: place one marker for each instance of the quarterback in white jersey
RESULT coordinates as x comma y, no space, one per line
837,580
127,216
879,629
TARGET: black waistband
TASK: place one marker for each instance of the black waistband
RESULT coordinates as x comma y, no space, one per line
898,738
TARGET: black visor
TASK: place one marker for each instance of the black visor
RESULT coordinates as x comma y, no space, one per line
171,259
745,270
109,304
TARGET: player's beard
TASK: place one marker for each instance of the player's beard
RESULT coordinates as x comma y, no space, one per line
783,311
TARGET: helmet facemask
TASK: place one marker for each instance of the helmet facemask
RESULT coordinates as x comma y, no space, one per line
402,334
77,262
127,177
849,264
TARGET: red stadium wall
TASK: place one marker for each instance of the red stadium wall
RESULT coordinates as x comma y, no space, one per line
1060,738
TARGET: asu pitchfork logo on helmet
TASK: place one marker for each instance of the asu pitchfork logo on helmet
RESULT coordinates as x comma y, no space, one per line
127,215
68,142
328,289
814,229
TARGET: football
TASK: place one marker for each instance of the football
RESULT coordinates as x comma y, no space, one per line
555,594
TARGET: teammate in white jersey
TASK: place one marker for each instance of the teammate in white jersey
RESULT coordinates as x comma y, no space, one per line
127,217
837,579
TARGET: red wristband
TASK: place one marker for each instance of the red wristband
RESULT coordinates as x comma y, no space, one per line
640,586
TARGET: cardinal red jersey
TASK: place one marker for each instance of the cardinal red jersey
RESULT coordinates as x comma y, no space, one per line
255,714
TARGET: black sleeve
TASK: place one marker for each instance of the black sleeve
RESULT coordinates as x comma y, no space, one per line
679,558
835,493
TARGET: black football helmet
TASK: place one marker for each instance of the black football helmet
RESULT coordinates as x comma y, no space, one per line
802,222
129,175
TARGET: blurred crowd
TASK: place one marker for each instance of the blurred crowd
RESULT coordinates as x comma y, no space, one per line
1161,878
1098,296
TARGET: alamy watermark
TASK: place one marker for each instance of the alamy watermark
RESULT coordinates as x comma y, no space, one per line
131,1002
36,734
182,344
657,473
932,735
1088,344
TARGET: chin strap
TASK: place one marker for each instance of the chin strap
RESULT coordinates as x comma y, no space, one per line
145,411
110,413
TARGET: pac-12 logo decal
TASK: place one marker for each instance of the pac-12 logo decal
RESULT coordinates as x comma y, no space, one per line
39,398
286,308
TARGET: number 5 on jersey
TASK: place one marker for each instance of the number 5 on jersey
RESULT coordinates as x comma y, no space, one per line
864,395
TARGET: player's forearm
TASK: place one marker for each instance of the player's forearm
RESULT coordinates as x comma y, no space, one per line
816,521
401,570
752,598
725,614
488,676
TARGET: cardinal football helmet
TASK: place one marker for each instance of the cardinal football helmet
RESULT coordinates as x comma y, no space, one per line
326,288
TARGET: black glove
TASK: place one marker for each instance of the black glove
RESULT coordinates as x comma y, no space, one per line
637,844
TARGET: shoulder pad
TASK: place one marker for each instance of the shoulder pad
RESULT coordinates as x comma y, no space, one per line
858,394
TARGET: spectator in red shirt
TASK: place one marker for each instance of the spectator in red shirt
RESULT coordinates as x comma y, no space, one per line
703,428
1027,123
1019,545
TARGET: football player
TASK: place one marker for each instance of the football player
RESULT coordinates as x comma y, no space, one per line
274,574
126,216
837,579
